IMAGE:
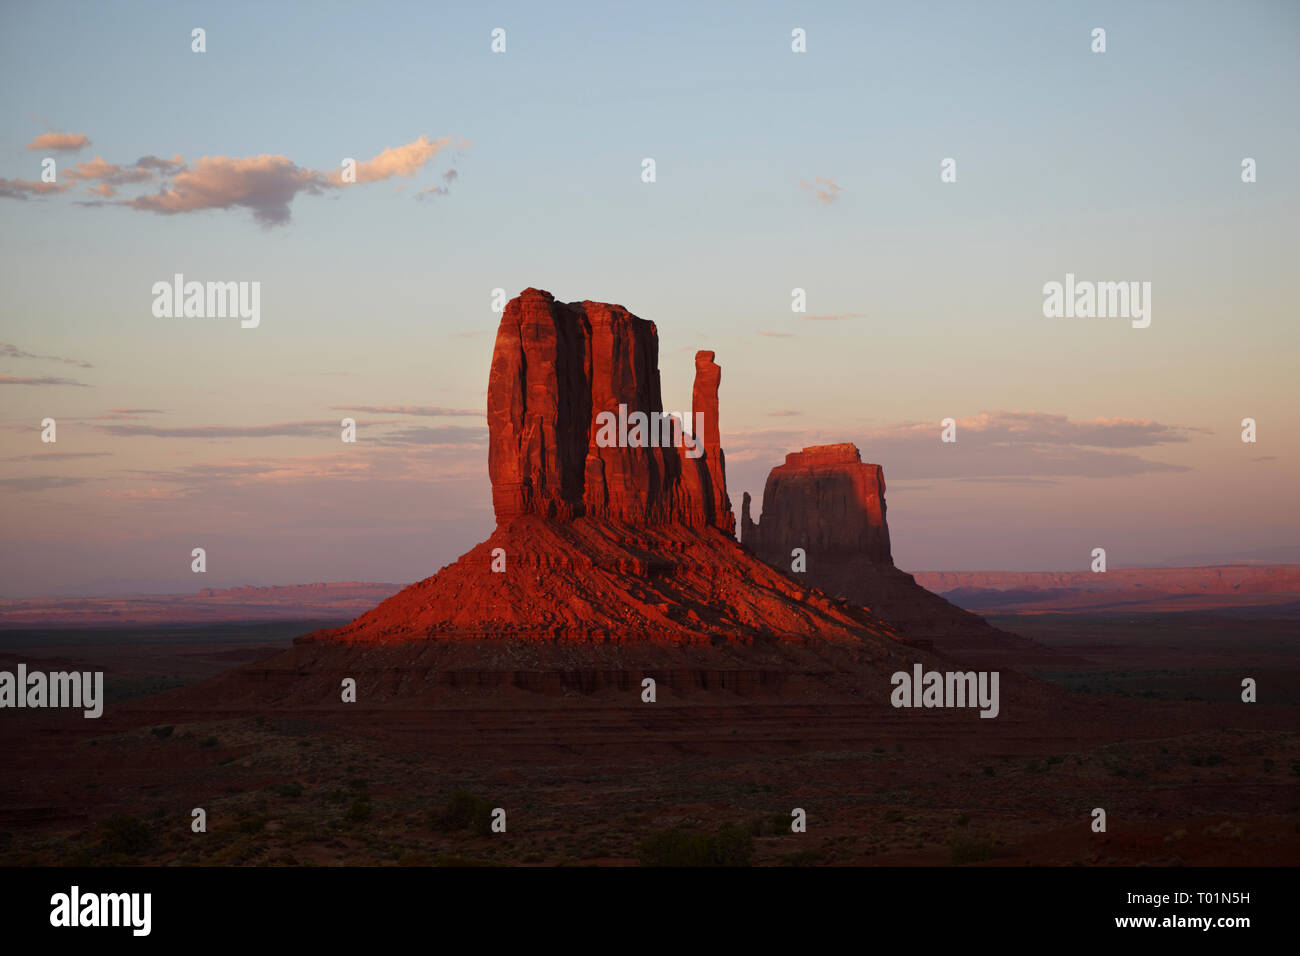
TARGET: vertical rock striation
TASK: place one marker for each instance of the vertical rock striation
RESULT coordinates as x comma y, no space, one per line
826,500
555,368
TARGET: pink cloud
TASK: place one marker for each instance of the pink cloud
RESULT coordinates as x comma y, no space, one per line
97,168
406,160
264,184
59,141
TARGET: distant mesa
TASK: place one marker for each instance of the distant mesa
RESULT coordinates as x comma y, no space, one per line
828,502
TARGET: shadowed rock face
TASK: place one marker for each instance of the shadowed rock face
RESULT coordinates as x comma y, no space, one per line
826,500
555,369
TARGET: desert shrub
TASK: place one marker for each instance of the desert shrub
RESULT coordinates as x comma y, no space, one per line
729,846
359,812
802,858
970,848
208,742
125,834
464,811
291,791
162,733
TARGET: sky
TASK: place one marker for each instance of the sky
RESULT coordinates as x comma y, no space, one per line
774,170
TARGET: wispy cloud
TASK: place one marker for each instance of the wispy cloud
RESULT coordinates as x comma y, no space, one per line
777,335
41,482
27,188
147,169
1045,428
14,352
406,160
435,435
127,413
59,142
43,455
836,317
990,447
824,189
281,430
265,185
427,410
46,380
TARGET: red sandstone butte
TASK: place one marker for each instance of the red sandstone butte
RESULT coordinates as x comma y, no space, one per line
830,503
555,369
613,546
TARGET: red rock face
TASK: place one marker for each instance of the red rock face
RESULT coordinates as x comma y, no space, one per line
708,376
826,500
555,369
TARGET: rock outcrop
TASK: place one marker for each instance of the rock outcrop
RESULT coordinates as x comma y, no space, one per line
828,502
556,369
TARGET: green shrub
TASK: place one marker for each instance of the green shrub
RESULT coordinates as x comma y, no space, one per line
162,733
125,834
359,812
464,811
729,846
970,848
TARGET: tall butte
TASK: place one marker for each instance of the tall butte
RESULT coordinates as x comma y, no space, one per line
555,369
606,545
